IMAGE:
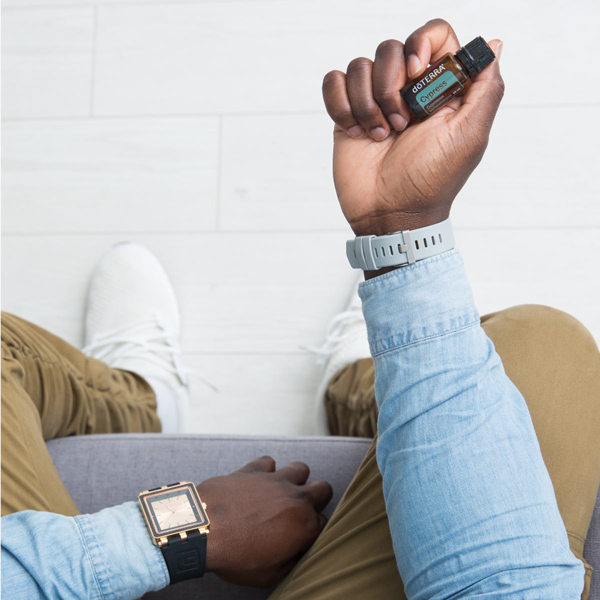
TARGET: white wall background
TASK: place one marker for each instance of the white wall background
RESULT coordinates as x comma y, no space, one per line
197,128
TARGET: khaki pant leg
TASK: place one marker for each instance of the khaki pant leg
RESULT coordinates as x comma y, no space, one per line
49,390
554,362
349,400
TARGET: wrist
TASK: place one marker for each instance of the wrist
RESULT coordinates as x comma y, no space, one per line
214,547
370,274
212,554
397,221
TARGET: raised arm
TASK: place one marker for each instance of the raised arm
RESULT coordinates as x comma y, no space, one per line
471,507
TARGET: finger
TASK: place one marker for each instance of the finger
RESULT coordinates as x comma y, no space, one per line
318,493
296,472
322,521
428,44
337,103
359,83
482,99
302,541
263,464
389,77
314,525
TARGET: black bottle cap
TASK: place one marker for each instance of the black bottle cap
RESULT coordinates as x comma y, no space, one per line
476,55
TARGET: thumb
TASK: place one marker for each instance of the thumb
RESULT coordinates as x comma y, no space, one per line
482,99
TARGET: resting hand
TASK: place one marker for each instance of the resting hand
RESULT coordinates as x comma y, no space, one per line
388,180
262,520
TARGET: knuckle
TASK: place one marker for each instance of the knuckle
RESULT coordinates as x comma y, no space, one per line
500,86
313,522
438,21
359,65
366,112
389,47
300,495
302,467
496,91
303,495
387,97
343,117
322,521
267,461
332,79
326,486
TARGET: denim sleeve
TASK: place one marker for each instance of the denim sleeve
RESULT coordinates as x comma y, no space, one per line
107,555
471,506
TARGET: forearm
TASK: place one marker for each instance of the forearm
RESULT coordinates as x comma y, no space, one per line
468,496
107,555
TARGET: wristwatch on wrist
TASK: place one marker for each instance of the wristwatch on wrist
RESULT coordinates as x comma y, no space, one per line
371,252
178,524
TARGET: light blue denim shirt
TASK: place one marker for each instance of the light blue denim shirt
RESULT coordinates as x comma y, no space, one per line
107,555
471,506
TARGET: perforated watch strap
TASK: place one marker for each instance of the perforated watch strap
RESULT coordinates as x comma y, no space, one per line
186,560
370,252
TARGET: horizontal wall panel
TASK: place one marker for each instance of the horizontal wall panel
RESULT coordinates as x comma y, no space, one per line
47,58
110,175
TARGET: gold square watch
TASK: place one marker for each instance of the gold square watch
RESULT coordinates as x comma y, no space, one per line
178,524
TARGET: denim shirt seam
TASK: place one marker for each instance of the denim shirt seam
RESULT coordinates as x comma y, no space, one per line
397,346
90,545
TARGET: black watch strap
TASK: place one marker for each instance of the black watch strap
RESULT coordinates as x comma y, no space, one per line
186,560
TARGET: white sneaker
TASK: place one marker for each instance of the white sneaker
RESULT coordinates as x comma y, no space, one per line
132,321
346,341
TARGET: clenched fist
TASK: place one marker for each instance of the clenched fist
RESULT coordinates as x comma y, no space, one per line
393,173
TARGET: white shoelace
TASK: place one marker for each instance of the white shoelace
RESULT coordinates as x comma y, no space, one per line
146,340
335,335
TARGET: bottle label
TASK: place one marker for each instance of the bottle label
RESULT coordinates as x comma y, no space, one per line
438,93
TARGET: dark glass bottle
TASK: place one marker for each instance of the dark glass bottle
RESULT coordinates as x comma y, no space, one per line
446,79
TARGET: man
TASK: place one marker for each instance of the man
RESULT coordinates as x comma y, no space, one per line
469,506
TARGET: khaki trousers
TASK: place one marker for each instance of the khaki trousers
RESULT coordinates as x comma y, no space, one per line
50,389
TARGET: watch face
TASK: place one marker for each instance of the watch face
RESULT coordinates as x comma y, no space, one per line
173,509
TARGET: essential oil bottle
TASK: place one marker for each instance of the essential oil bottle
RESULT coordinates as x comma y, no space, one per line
446,79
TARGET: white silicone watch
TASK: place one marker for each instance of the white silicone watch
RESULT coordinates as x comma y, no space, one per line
371,252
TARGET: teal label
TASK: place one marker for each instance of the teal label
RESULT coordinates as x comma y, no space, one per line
441,84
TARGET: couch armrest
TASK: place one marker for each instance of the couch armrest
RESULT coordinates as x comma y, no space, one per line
104,470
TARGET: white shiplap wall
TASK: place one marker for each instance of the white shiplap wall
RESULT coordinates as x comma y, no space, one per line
197,128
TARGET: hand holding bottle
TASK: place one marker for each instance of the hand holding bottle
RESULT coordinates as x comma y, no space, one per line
392,173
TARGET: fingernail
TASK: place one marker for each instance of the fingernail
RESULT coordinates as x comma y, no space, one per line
379,134
356,131
398,122
499,50
413,65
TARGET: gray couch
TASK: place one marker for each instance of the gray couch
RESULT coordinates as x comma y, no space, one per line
104,470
